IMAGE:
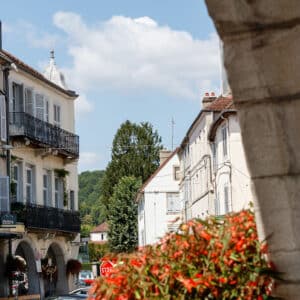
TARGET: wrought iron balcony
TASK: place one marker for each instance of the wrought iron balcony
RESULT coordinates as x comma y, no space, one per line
46,218
43,134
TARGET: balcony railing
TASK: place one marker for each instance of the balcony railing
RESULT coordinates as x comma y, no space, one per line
46,218
43,133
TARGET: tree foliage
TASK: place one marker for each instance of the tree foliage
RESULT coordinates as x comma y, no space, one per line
122,235
90,206
135,152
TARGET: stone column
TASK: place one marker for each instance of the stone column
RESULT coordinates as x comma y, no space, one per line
262,57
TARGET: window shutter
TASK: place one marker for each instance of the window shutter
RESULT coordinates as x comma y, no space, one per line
3,118
29,101
46,110
39,106
4,194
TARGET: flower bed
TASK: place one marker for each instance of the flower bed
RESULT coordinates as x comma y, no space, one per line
220,258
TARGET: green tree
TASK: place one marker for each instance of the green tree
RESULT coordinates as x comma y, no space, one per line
122,234
135,152
90,206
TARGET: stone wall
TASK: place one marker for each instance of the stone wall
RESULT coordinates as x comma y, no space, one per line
261,52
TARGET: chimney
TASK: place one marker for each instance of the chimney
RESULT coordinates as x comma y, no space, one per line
208,99
164,155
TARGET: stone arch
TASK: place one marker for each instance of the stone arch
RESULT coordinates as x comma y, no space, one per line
57,283
25,250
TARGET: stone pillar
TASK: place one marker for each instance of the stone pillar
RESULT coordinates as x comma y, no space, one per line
262,57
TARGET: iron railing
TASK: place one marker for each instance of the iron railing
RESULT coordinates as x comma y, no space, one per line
48,218
44,133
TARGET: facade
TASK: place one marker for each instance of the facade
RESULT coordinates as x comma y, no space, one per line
43,176
99,234
215,179
159,207
231,179
196,186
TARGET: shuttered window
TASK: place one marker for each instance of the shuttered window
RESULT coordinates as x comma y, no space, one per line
47,188
4,194
39,106
3,118
59,192
29,101
72,200
173,202
57,116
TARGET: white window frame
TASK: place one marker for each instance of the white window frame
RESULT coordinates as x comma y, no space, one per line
176,173
30,185
58,192
170,208
17,179
29,103
47,195
57,115
224,133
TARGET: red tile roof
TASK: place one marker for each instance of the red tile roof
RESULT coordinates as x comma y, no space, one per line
20,64
100,228
220,104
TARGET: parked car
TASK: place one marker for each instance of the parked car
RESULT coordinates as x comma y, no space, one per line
86,276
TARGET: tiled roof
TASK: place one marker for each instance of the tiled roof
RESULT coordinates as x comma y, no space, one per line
100,228
217,105
221,103
20,64
141,190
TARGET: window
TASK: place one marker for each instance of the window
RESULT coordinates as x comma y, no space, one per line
47,188
226,198
72,200
39,106
56,111
59,192
176,170
16,180
17,98
173,203
215,156
29,101
29,184
3,118
224,140
4,193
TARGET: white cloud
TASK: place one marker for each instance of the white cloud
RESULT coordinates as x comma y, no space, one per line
128,54
89,161
34,36
82,106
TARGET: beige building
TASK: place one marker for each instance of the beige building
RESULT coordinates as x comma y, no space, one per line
43,169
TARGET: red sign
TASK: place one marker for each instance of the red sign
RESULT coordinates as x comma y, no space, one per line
106,267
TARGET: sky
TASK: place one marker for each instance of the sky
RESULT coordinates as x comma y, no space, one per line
138,60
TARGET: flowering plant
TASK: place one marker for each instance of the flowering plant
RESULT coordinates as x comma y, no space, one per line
220,258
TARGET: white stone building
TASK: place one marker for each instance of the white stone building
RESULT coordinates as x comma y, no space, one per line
43,193
204,187
99,234
159,207
231,179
